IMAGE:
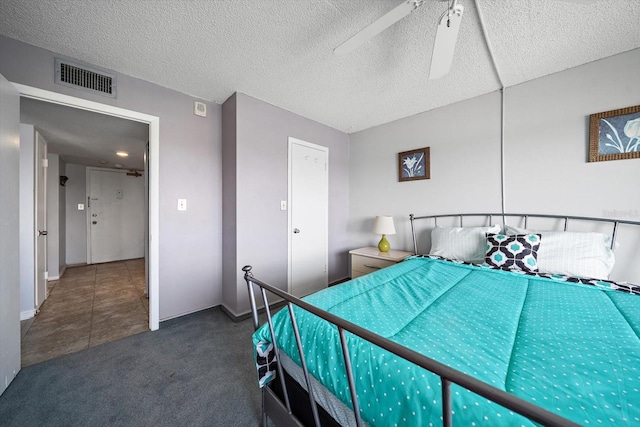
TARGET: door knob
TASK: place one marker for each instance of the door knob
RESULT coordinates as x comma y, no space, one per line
296,230
94,222
42,233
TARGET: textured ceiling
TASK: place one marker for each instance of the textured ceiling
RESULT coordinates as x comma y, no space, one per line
87,138
281,51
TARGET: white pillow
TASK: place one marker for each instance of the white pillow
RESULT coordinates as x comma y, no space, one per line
461,243
572,253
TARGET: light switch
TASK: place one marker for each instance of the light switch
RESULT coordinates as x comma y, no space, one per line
182,204
119,194
283,205
80,206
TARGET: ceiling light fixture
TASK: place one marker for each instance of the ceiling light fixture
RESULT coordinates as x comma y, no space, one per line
122,153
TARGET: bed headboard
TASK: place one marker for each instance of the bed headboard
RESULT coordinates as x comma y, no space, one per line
624,234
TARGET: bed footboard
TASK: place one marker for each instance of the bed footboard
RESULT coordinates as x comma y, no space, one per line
277,411
281,413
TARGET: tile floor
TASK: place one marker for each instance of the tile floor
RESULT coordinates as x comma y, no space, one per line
88,306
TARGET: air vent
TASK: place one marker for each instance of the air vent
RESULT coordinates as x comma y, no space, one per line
85,78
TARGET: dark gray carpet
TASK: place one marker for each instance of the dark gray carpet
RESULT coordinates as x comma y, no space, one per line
196,370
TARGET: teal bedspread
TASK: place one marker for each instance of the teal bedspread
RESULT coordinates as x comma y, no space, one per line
571,348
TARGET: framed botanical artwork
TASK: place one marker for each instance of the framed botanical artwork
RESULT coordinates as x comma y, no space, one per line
615,134
414,165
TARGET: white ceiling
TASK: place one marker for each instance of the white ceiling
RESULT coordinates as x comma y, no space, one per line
281,51
87,138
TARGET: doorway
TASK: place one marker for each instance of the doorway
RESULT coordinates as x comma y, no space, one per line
153,159
308,217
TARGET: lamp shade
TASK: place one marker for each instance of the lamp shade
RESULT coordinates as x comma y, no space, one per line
384,225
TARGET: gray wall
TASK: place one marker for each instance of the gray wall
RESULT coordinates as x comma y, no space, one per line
9,234
76,221
53,216
548,132
261,147
464,141
190,167
229,210
546,149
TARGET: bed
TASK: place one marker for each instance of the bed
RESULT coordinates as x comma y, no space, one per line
434,340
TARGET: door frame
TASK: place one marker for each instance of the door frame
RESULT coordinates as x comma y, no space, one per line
324,149
154,175
9,233
41,157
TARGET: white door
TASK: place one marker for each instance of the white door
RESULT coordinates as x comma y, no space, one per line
41,220
116,216
9,233
308,216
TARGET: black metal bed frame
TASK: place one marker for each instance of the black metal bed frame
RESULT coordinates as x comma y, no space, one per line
280,410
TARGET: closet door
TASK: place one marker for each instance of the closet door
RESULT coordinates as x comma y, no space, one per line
308,213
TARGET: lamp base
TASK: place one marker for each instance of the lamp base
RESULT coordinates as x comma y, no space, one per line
384,245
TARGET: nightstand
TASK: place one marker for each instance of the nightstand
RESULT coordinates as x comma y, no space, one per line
370,259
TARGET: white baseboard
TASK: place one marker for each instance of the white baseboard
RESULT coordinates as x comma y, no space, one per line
232,312
186,313
240,316
27,314
259,306
53,278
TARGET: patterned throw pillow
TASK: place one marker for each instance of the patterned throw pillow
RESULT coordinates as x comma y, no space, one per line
513,252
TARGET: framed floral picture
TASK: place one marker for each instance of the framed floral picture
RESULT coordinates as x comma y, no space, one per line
615,134
414,165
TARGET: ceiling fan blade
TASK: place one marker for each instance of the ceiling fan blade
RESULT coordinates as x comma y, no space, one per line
445,43
378,26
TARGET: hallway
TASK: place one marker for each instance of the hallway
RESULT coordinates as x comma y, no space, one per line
88,306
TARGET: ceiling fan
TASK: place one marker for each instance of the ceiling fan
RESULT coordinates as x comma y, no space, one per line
446,35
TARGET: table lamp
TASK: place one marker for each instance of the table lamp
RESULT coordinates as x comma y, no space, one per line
384,225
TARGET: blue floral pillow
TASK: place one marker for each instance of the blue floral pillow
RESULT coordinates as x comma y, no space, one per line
513,251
